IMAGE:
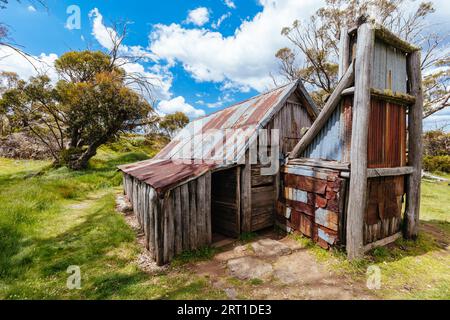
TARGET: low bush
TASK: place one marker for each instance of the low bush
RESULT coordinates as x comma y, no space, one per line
437,163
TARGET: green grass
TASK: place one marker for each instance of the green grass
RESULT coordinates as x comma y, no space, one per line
409,269
51,219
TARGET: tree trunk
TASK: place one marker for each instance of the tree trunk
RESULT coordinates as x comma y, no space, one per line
81,162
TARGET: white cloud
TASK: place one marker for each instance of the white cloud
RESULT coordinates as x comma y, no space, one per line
244,59
198,16
179,104
31,8
223,101
230,4
27,66
216,25
160,77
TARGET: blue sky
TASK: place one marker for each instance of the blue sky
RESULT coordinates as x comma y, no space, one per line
203,55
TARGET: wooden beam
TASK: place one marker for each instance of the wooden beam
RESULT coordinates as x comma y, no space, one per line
320,163
389,172
358,158
388,95
382,242
414,147
325,114
344,52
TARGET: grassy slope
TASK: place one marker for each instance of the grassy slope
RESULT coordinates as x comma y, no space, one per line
51,219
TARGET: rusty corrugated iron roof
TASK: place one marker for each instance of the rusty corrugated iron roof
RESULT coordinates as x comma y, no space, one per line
219,139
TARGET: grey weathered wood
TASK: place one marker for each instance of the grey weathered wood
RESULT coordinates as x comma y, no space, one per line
382,242
193,241
185,213
178,235
325,114
208,207
415,147
238,199
152,214
201,211
358,158
344,52
246,197
167,233
159,231
387,95
389,172
320,163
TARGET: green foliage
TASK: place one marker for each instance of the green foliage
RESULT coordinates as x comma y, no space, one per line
89,106
172,123
436,163
247,236
436,143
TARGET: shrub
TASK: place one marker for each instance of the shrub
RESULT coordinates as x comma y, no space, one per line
437,163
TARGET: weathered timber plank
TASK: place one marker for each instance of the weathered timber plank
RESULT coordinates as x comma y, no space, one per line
344,52
389,172
382,242
178,235
193,239
246,197
185,215
358,158
208,207
415,146
201,211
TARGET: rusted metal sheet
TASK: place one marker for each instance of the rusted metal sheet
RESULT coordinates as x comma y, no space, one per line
296,195
218,140
164,174
326,218
387,135
226,134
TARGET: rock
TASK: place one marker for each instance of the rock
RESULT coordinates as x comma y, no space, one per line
231,293
123,205
246,268
297,268
270,248
238,252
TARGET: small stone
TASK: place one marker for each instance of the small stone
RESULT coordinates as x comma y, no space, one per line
246,268
270,248
123,205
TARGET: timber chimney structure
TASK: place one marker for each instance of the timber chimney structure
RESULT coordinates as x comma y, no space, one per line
349,175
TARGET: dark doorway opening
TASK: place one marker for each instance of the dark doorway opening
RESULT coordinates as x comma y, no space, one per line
225,204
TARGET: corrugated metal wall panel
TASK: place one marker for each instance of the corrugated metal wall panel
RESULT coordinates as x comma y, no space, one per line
389,70
328,144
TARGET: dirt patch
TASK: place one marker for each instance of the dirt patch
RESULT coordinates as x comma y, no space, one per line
438,234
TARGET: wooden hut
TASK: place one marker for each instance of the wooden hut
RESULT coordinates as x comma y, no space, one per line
185,195
347,178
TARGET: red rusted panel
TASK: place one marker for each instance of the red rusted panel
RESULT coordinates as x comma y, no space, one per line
300,206
162,175
305,183
387,135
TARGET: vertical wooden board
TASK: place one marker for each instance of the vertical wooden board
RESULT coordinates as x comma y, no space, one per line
151,219
201,211
246,200
185,215
344,52
415,147
168,227
194,243
238,199
358,157
159,230
208,176
178,234
146,216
